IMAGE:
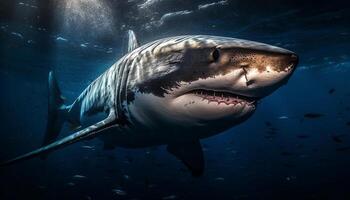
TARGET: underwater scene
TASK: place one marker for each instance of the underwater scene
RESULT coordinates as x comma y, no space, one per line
174,99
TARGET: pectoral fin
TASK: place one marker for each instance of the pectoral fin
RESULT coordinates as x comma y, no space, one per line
191,154
87,133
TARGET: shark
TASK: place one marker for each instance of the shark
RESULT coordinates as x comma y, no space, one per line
173,91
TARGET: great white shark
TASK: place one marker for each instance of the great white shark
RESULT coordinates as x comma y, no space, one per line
172,91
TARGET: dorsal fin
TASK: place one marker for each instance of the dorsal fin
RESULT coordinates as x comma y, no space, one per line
132,41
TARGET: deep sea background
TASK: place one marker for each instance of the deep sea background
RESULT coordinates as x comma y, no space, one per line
277,154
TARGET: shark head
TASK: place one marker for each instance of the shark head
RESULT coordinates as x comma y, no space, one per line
205,82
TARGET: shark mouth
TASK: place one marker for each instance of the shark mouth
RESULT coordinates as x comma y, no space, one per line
224,97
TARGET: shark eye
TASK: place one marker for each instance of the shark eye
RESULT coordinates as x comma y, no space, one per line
215,55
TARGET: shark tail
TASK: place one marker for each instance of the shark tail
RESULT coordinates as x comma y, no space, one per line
57,111
58,114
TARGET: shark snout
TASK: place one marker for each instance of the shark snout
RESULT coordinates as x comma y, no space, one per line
265,74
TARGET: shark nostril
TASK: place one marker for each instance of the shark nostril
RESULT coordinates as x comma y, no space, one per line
294,58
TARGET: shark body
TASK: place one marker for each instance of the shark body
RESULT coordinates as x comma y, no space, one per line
173,91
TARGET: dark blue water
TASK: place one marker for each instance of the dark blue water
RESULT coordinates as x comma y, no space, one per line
277,154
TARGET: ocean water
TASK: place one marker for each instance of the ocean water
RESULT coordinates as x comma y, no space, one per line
279,153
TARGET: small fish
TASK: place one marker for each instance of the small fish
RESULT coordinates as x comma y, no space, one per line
337,138
219,179
331,91
289,178
87,147
17,35
283,117
119,192
83,45
126,177
61,39
169,197
110,50
79,176
71,184
313,115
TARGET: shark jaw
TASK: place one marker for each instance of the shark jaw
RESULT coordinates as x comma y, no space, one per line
210,105
227,98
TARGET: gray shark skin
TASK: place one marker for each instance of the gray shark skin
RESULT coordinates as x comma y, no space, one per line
173,91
